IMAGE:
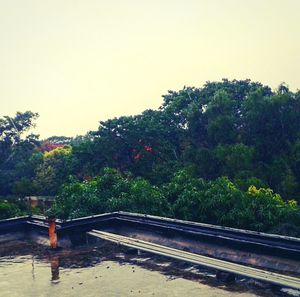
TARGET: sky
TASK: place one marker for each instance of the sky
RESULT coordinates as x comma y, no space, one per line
78,62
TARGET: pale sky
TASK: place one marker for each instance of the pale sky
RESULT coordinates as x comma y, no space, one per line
77,62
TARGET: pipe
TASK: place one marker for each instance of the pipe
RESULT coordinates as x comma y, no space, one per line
52,233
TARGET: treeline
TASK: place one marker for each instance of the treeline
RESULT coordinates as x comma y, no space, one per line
241,133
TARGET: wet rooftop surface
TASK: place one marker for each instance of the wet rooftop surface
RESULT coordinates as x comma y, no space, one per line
104,269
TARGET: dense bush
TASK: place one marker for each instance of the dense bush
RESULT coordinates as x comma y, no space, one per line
109,192
221,202
185,197
9,210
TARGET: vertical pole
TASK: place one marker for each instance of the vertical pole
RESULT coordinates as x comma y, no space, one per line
52,233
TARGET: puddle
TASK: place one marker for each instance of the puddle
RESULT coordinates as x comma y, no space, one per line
28,269
28,277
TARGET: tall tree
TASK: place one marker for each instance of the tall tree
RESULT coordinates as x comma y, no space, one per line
16,147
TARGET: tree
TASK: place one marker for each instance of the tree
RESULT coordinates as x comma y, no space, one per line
235,160
54,170
15,149
137,143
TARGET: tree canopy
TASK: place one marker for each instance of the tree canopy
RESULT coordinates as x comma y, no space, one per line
225,153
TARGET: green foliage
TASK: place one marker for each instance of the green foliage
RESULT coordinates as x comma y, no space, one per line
110,191
16,149
234,160
221,202
9,210
54,170
194,158
244,183
24,187
185,196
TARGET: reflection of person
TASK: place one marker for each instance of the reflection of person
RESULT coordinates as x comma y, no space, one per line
54,267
